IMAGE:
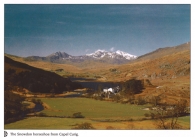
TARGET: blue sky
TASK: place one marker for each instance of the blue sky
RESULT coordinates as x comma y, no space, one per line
80,29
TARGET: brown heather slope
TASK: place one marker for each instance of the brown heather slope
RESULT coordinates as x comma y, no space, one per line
22,77
45,65
165,51
169,73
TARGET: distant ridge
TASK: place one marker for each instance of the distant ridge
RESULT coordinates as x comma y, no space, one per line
118,57
165,51
106,57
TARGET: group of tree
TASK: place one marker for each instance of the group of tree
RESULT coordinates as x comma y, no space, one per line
13,107
131,86
166,116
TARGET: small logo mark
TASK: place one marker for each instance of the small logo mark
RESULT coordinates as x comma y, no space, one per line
5,133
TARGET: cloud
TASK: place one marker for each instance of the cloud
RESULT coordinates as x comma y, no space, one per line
112,49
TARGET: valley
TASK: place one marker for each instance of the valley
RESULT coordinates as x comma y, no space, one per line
159,79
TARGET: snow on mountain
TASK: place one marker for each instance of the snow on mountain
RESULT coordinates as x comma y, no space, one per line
98,54
118,55
126,55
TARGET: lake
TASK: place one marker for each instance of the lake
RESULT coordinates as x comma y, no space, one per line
93,84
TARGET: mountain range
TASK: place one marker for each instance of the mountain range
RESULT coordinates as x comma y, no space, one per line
118,57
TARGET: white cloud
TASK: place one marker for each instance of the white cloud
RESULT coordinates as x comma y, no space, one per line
112,49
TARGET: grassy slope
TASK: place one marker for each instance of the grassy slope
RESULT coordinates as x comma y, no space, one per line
93,111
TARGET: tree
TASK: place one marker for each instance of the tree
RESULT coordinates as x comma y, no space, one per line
167,116
100,87
155,100
167,119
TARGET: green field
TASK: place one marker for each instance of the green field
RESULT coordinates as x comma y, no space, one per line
101,114
91,108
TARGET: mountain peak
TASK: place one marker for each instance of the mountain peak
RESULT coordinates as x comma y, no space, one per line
99,50
59,55
98,54
126,55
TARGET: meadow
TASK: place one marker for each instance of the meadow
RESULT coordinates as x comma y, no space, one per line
91,108
101,114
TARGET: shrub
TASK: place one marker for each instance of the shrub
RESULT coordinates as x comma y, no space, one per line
168,125
77,115
147,115
37,101
116,98
140,101
42,114
152,115
113,70
85,125
143,119
98,98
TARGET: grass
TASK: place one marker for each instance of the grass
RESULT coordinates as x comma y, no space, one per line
69,123
101,114
90,108
45,123
184,121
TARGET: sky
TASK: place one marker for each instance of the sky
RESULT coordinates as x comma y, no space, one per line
79,29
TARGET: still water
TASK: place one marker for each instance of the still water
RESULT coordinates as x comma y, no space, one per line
92,84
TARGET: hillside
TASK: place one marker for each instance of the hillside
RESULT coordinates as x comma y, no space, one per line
78,69
165,51
22,77
169,73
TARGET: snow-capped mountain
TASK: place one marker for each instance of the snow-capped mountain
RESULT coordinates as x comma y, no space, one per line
118,55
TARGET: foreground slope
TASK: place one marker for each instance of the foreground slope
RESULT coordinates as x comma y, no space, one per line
22,76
